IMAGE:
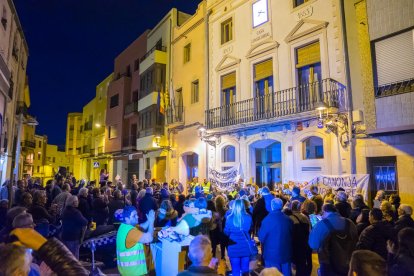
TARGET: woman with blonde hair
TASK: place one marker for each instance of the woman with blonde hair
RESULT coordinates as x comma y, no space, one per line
238,225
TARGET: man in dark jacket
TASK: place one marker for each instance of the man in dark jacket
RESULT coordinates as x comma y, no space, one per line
296,195
100,210
134,194
262,208
38,210
147,203
404,218
200,254
115,204
73,226
275,234
317,198
342,205
84,206
375,236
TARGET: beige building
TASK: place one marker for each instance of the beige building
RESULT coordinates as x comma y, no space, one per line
155,73
381,58
13,62
271,65
39,158
185,113
73,145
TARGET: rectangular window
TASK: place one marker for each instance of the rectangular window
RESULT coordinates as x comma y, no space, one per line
114,101
194,92
309,74
299,2
187,52
54,160
128,71
147,163
112,132
39,156
227,31
40,144
38,169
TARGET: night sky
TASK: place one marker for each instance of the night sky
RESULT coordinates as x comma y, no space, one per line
72,47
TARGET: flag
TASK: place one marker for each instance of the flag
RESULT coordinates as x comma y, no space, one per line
160,102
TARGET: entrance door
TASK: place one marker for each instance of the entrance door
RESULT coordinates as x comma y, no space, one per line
133,168
268,163
160,169
191,165
383,175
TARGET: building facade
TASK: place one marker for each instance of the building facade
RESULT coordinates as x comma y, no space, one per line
73,143
155,87
186,157
272,64
39,159
13,62
122,111
381,53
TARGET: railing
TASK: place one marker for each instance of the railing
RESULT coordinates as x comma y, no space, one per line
394,88
277,104
131,108
175,114
130,141
156,130
29,144
87,126
155,48
5,70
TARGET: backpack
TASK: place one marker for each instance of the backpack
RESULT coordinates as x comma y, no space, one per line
338,247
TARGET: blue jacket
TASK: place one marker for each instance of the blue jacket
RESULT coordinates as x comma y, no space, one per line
275,234
239,238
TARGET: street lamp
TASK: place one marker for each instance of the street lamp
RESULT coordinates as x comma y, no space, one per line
30,121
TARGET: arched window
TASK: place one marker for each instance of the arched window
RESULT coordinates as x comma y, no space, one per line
313,148
228,154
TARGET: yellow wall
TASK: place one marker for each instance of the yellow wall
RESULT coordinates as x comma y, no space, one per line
55,159
39,157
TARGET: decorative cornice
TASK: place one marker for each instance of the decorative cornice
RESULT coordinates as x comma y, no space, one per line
221,65
271,45
318,26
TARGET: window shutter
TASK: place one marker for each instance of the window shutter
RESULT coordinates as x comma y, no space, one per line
263,70
309,54
395,58
228,81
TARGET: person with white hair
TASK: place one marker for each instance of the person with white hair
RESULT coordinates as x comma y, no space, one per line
73,225
200,254
275,235
342,205
405,212
84,205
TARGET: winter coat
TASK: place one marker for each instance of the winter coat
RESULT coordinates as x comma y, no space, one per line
85,208
146,204
375,238
72,224
344,209
261,210
100,211
239,244
402,222
276,237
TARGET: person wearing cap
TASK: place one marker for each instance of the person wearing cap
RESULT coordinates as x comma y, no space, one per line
130,240
200,254
296,195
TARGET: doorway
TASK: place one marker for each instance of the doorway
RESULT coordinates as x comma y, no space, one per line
266,156
383,175
160,169
191,164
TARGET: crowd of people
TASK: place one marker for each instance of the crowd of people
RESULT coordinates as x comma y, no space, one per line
238,230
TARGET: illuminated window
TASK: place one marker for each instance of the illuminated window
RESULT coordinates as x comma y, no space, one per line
112,132
313,148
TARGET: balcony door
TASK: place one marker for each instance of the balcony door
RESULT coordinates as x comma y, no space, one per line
309,75
228,96
263,83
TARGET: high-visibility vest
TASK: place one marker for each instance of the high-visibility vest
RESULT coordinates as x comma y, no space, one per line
206,187
131,261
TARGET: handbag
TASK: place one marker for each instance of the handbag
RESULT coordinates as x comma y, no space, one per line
253,252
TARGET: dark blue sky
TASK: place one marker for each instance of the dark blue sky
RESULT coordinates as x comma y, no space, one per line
72,46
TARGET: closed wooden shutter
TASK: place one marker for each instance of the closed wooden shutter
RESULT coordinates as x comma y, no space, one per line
228,81
395,58
263,70
309,54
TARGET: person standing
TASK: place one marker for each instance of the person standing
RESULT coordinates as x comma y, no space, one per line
73,225
238,225
130,242
275,235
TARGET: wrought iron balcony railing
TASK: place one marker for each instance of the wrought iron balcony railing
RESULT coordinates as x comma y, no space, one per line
394,88
175,114
156,47
29,144
277,104
130,141
131,108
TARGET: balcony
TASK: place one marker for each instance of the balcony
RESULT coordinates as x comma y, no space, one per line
4,70
29,144
158,54
175,114
395,88
131,108
86,150
277,105
129,142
